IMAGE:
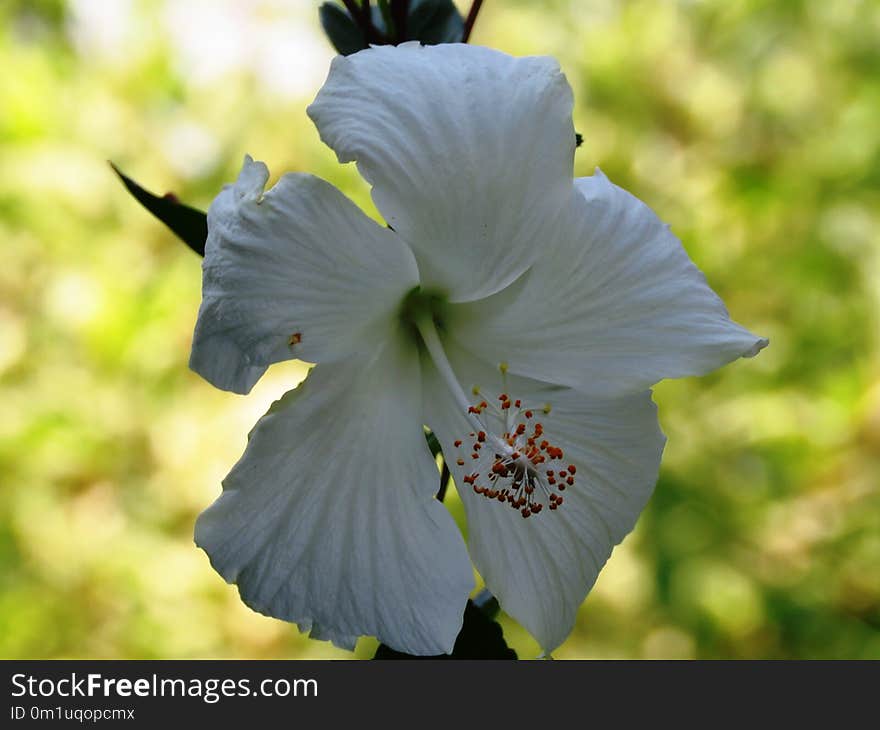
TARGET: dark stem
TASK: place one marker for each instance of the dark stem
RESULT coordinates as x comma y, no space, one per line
471,19
399,13
444,481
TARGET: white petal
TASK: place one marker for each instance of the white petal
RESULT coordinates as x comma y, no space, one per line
329,518
613,307
469,152
297,272
541,568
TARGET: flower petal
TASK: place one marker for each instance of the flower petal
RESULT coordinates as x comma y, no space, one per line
469,152
297,272
613,307
329,519
542,568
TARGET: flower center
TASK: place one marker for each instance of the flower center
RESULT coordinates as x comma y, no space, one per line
517,467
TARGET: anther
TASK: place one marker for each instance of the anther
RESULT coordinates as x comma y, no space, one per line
512,470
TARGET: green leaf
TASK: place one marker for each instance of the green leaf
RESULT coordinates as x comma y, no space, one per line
341,29
188,224
434,21
480,638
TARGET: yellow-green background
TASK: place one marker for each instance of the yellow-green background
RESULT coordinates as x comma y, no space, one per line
752,127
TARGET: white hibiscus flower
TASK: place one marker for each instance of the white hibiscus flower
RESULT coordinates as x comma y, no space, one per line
519,313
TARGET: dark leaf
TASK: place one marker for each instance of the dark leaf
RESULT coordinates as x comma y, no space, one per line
387,20
480,638
445,476
428,21
343,32
434,21
378,21
188,224
433,443
445,479
487,603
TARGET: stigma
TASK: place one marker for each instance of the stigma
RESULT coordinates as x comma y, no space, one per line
519,467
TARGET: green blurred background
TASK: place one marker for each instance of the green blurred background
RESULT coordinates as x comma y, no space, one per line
752,127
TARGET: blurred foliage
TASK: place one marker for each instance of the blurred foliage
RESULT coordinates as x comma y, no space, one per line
751,126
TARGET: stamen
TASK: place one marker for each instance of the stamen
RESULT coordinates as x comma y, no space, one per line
514,469
511,468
